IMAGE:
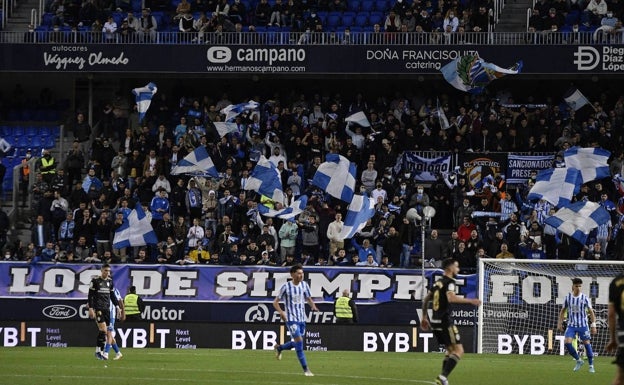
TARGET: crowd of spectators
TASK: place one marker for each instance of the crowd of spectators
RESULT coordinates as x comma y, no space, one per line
198,20
79,201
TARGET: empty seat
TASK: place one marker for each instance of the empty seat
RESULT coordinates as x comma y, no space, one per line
333,19
31,131
348,19
376,18
353,5
381,5
367,6
361,19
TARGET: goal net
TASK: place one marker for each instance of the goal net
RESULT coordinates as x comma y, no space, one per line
522,299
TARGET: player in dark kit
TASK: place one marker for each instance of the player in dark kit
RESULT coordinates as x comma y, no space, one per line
100,298
616,326
441,296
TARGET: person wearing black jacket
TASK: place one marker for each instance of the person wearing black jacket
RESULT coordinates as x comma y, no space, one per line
99,300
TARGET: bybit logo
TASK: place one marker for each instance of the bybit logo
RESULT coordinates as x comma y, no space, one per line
219,54
586,58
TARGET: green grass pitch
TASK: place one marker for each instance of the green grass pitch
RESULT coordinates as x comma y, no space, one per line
76,366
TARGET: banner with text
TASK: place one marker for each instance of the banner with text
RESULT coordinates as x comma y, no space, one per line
478,166
220,283
301,59
519,167
421,168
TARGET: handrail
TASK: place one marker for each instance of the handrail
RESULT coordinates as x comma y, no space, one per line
41,12
33,17
529,13
297,39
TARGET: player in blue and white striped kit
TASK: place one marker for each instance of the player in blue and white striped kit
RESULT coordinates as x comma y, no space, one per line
115,311
295,294
577,306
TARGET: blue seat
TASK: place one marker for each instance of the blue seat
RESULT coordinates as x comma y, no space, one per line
353,5
31,131
375,18
572,18
18,131
323,16
5,131
361,19
50,142
136,5
333,19
38,141
367,6
348,18
381,5
23,142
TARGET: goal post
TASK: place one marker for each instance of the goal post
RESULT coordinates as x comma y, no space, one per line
521,300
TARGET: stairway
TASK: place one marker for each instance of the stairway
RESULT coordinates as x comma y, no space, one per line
20,18
513,18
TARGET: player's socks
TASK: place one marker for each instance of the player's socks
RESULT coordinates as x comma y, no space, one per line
590,353
444,362
287,346
115,348
107,348
572,350
300,355
101,340
450,364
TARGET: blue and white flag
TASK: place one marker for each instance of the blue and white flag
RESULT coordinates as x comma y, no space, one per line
361,209
444,123
579,219
143,96
233,110
336,176
295,208
575,99
590,161
135,230
358,118
556,186
224,128
197,162
265,179
472,74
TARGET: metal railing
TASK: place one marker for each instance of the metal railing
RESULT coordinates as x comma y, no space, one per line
33,17
66,36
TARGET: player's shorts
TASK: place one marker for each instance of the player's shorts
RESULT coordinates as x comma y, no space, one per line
582,332
446,334
102,316
296,329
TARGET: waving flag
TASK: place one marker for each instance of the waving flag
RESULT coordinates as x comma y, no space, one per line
472,74
224,128
197,162
591,162
295,208
361,209
358,118
336,176
136,230
233,110
444,123
266,180
143,97
578,219
575,99
556,186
